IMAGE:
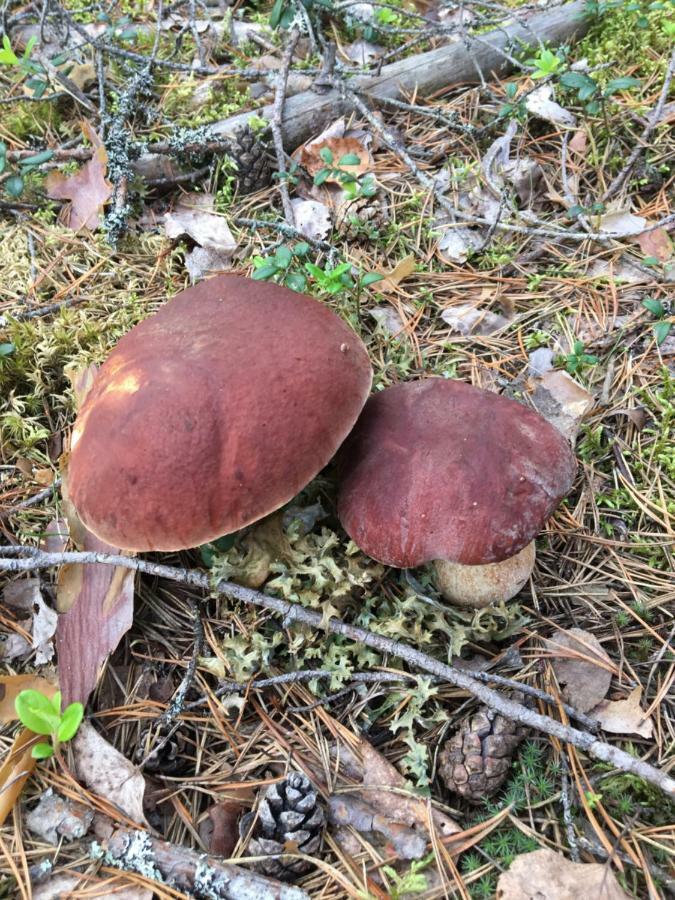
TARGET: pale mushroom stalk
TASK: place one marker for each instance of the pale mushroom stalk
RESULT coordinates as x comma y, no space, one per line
479,586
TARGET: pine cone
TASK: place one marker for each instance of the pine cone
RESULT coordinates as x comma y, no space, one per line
165,760
288,818
476,760
249,150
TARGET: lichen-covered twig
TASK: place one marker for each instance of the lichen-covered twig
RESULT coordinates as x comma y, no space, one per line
295,613
277,117
201,876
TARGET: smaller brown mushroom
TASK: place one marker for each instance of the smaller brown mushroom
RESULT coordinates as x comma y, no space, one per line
439,471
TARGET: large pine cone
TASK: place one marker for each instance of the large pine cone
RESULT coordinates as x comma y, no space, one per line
475,761
288,819
249,150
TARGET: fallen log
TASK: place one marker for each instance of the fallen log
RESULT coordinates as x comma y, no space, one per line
460,61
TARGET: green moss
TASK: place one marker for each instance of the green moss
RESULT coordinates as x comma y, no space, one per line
223,100
31,120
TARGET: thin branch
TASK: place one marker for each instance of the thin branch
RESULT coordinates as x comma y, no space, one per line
277,117
294,613
643,140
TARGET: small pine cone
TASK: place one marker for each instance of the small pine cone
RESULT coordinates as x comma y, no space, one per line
249,150
288,819
476,760
165,760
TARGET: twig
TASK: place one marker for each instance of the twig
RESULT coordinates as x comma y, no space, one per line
25,314
641,145
202,876
288,231
32,501
277,117
567,809
293,612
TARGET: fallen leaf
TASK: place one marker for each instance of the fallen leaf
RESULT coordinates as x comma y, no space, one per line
457,244
56,818
466,319
312,218
346,810
579,141
381,786
581,666
622,224
541,361
25,595
219,830
194,217
108,774
623,270
11,685
202,262
309,156
389,320
542,105
82,74
12,646
547,875
16,768
624,716
562,401
400,271
362,52
526,177
64,886
656,243
87,189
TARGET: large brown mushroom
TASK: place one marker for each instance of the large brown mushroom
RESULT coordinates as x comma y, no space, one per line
437,470
213,413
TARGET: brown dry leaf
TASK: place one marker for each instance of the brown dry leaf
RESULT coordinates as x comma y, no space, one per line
401,270
66,887
656,243
581,665
88,191
108,774
624,716
376,775
82,74
562,401
308,156
579,141
547,874
467,319
219,830
17,766
11,685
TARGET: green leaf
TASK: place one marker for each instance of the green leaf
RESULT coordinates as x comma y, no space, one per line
321,176
296,281
56,703
14,186
661,331
37,85
588,91
326,155
621,84
264,272
283,257
6,349
70,721
3,156
593,107
349,159
371,278
655,307
275,15
32,41
577,80
314,270
42,751
301,249
36,160
7,56
36,712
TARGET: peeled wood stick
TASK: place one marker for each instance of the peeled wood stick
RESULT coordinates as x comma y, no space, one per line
293,612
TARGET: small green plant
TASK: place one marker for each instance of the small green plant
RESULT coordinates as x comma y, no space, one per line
43,716
513,108
349,183
545,64
578,359
287,267
590,92
412,881
592,799
662,327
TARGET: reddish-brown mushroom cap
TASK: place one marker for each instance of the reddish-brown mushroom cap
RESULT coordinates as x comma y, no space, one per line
213,413
437,469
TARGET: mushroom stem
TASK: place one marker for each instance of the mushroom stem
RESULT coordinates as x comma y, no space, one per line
479,586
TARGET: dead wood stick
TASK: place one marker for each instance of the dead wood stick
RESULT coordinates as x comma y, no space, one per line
294,613
277,117
200,875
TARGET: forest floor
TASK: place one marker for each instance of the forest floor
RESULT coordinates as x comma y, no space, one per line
558,292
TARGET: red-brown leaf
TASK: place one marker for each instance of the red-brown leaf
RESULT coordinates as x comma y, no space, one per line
88,190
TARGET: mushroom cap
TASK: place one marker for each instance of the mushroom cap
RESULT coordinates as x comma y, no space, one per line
212,413
437,469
